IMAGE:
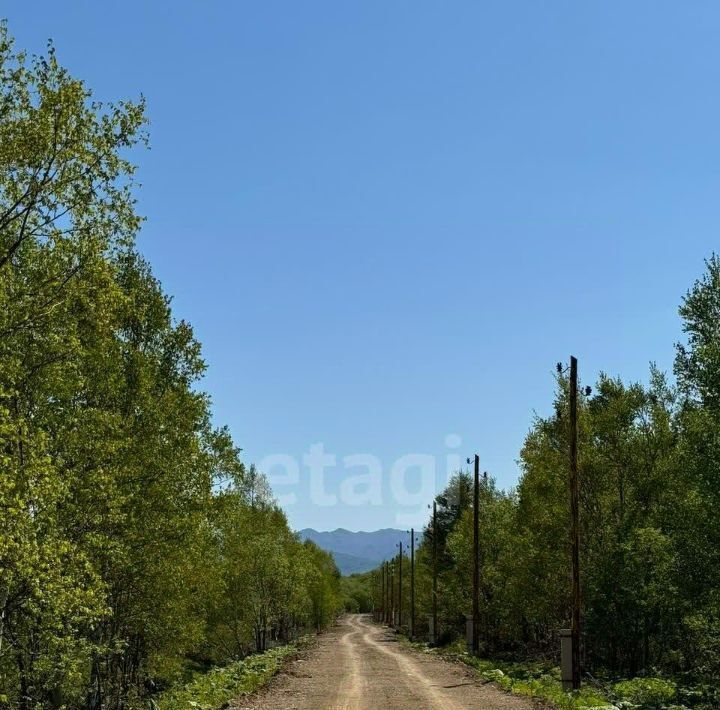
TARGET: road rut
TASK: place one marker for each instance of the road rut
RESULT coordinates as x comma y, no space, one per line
360,666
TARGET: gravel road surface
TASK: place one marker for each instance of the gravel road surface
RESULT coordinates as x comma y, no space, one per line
359,665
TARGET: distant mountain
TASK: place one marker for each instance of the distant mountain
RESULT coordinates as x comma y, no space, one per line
351,564
359,551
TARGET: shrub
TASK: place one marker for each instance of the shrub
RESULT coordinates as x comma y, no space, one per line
209,691
648,692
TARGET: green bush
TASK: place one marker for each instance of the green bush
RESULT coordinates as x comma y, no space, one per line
211,690
648,692
536,680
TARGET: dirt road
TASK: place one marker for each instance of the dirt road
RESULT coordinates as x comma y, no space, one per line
361,666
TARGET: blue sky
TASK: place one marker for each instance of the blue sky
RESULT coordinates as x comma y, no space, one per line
388,220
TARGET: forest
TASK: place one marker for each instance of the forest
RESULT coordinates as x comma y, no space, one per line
649,463
135,545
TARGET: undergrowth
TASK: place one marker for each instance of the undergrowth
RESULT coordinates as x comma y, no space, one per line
213,689
541,681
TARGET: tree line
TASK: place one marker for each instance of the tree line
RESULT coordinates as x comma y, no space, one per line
134,543
649,462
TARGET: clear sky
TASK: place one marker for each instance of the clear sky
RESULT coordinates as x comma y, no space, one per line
388,220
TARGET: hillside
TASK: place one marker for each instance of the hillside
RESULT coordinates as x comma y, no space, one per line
358,551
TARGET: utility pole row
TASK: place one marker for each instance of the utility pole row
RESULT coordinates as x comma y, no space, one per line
570,639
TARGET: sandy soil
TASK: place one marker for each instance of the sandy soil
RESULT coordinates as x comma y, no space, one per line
360,666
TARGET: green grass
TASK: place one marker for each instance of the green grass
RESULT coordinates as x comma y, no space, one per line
211,690
541,681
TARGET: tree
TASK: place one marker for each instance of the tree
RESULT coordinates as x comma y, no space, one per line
125,516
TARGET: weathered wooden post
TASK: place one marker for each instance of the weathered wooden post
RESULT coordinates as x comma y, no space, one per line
395,595
570,640
383,589
433,625
474,639
575,508
391,587
412,583
400,591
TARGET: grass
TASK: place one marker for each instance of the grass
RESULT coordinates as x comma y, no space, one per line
541,681
213,689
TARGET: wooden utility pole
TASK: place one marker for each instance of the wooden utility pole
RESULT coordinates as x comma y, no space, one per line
392,593
434,590
476,558
575,524
387,592
412,583
485,616
382,591
384,594
400,595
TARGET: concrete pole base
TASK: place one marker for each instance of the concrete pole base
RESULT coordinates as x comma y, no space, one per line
469,632
432,631
566,654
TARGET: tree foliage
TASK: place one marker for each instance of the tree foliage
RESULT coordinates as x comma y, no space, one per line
133,540
650,533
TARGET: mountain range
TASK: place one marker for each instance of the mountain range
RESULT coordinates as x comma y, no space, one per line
359,551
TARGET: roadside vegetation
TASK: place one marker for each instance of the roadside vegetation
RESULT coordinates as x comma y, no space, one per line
540,680
135,545
357,593
650,557
141,559
215,688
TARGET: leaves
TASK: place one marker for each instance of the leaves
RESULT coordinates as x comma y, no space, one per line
128,523
649,459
